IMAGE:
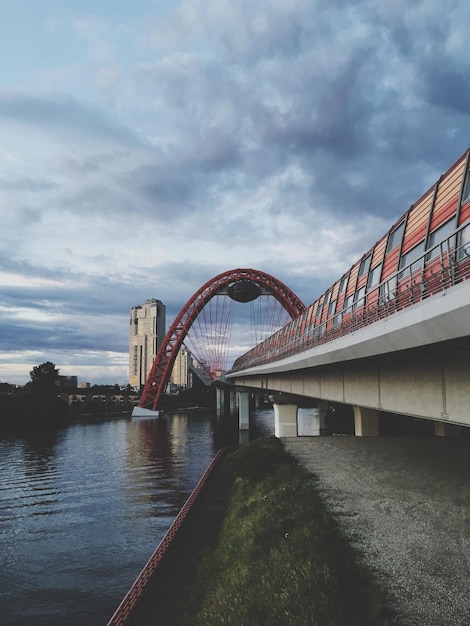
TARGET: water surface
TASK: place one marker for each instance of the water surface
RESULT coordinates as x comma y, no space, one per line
83,508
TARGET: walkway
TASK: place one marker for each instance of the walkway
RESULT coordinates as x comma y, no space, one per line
405,502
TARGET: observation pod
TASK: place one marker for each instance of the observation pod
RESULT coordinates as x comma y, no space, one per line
244,291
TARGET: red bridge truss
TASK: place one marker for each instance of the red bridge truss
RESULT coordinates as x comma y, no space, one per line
242,285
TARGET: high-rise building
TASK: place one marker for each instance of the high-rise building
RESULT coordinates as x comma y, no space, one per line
147,331
188,372
180,375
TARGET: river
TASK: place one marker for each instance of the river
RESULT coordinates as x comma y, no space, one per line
82,508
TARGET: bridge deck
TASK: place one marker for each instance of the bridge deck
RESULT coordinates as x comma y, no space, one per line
438,319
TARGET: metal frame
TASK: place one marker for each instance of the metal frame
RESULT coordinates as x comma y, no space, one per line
160,373
444,270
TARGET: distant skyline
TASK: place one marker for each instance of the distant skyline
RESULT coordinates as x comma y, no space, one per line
146,147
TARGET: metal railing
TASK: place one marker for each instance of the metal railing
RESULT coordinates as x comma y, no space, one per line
124,610
439,268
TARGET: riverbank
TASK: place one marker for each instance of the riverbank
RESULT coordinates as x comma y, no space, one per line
268,554
167,592
281,558
358,515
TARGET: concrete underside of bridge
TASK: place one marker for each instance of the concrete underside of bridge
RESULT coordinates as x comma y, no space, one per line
415,363
417,383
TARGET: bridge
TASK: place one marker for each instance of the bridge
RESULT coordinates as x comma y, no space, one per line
390,337
413,362
205,323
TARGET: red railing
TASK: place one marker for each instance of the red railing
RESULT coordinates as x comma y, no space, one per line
437,270
124,610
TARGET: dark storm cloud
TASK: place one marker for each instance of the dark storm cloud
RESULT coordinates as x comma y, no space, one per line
449,88
344,119
161,188
328,114
177,183
66,319
79,295
16,337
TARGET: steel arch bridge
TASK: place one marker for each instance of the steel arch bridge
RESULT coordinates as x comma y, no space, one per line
243,285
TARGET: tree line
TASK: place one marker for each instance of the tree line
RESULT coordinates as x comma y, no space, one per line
36,405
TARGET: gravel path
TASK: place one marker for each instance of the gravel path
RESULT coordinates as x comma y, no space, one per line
405,502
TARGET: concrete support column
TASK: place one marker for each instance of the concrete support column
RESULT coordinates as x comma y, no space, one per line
220,400
322,412
233,401
285,420
366,422
442,429
243,410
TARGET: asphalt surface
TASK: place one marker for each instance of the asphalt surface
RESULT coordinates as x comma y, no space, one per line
405,504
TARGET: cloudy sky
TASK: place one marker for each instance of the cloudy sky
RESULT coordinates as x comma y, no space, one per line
147,146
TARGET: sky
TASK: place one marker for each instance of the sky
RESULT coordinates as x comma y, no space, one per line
147,146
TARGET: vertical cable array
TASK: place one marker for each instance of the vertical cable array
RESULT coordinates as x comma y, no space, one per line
211,339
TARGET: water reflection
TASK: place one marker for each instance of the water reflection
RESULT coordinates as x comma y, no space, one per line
83,508
40,450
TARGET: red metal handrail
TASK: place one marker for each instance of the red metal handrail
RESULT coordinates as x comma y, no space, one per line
453,267
131,598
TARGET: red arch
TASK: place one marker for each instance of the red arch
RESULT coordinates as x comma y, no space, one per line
160,373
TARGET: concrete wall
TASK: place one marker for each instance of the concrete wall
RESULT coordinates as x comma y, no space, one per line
424,386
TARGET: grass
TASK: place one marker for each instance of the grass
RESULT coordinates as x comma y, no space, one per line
281,558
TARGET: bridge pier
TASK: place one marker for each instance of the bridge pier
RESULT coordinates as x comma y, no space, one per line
323,409
443,429
285,420
243,410
220,400
233,400
366,422
226,400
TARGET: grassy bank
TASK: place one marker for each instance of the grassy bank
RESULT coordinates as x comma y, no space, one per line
280,558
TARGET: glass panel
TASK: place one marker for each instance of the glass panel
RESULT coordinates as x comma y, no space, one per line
359,297
464,243
466,188
438,236
395,237
388,290
337,320
347,303
344,282
374,276
411,256
365,264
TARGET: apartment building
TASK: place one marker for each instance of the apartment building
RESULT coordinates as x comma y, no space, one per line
147,331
